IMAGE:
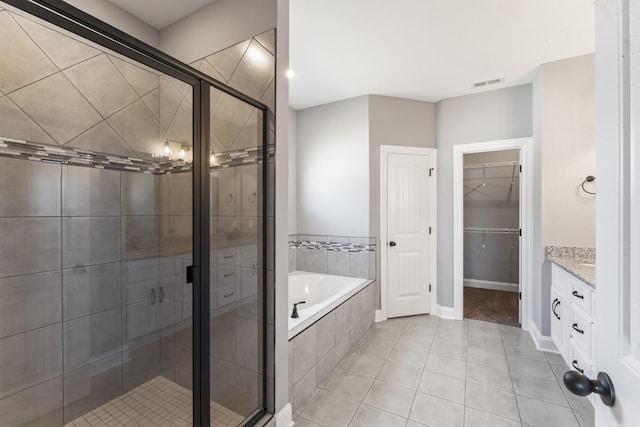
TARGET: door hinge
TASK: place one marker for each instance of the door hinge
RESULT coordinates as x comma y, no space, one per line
520,168
429,287
430,171
190,274
429,230
519,295
521,232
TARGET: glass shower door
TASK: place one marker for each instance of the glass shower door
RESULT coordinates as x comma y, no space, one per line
236,257
96,219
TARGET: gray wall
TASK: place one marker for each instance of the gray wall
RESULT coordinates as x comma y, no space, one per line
281,207
112,14
564,130
217,26
495,115
394,121
333,168
293,172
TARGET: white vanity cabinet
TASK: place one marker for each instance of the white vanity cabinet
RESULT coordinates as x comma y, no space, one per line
572,313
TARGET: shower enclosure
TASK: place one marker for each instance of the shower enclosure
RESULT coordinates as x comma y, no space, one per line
134,220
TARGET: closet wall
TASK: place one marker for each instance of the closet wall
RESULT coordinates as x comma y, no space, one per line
491,219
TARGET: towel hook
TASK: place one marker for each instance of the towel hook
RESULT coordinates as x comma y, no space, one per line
590,178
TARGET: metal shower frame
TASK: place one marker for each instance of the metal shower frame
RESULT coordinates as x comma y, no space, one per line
78,22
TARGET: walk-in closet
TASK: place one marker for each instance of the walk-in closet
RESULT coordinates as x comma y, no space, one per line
491,236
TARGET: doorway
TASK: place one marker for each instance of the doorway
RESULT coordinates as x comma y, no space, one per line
491,185
407,230
492,246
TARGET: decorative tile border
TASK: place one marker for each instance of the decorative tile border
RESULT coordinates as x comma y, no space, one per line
571,252
333,243
33,151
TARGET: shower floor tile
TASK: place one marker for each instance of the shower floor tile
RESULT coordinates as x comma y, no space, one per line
158,402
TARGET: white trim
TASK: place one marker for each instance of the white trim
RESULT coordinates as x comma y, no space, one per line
444,312
284,418
382,243
526,214
380,317
489,284
543,343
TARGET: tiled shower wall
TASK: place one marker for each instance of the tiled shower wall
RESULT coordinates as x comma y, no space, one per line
61,91
340,255
91,269
92,259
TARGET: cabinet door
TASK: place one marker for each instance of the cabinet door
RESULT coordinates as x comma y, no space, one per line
560,322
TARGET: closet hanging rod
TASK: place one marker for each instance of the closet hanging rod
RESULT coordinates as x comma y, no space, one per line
492,165
492,230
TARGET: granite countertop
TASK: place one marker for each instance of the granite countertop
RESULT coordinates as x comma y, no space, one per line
572,260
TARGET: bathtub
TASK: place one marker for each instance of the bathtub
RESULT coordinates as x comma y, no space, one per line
322,293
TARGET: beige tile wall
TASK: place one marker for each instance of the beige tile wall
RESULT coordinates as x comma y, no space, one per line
106,242
59,90
318,349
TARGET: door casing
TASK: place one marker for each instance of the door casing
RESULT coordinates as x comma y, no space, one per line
382,244
525,145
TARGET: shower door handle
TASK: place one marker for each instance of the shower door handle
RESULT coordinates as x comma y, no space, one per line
392,243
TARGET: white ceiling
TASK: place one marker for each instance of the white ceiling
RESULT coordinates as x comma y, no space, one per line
161,13
427,49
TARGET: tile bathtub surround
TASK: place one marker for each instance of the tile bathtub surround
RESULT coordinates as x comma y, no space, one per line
339,255
425,371
316,351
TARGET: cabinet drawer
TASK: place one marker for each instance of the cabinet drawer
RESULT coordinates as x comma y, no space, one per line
226,256
579,361
580,295
225,295
560,279
225,275
580,330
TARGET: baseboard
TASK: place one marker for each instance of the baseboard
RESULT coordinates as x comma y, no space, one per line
284,418
445,312
543,343
379,316
488,284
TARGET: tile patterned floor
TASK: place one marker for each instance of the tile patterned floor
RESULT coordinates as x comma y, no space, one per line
423,371
158,402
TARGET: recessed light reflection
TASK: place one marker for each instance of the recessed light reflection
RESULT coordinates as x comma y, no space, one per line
256,55
291,74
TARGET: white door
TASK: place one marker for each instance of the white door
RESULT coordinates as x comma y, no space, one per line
618,208
408,239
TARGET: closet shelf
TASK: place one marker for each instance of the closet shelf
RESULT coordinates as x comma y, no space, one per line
492,230
492,165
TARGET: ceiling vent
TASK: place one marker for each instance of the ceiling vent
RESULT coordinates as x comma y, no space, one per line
488,82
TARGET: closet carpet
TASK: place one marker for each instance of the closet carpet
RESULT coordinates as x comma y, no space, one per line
491,306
